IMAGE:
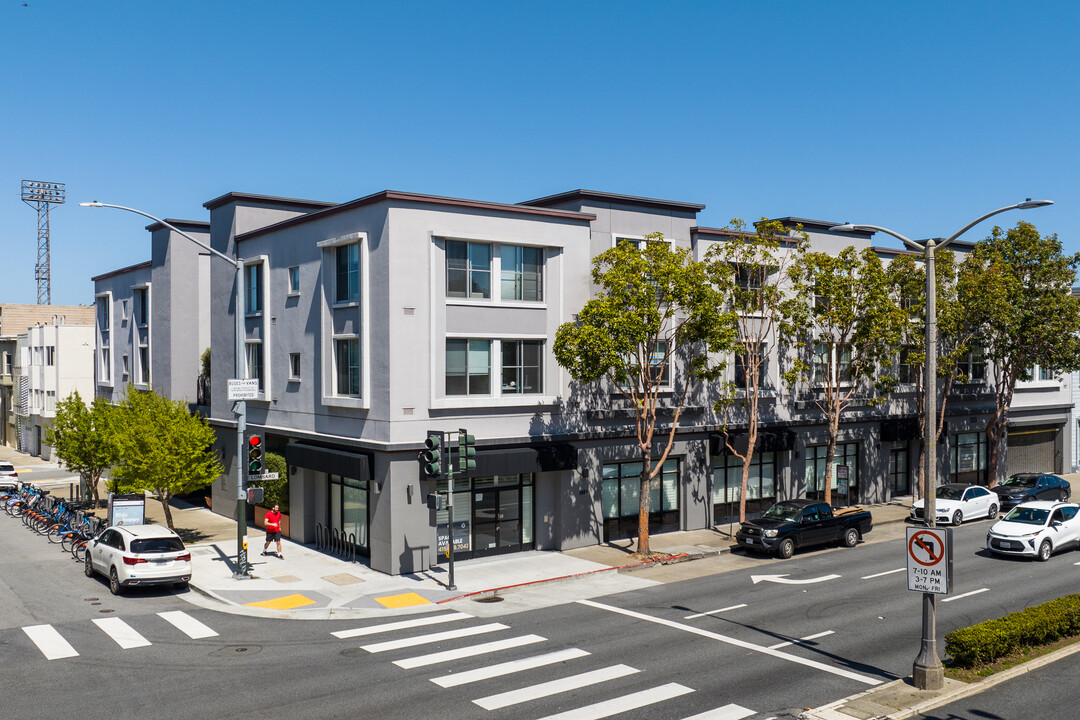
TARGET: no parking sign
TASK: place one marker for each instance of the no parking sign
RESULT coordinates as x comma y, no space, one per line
929,560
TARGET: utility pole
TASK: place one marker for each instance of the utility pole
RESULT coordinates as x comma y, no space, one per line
41,196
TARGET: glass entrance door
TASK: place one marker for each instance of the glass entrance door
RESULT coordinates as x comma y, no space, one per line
496,521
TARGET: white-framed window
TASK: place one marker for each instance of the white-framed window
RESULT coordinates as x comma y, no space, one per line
141,297
254,359
50,401
103,321
522,367
347,273
741,367
144,365
124,310
253,288
1040,373
521,272
294,280
294,366
106,365
468,269
468,366
972,366
347,366
824,355
50,354
126,365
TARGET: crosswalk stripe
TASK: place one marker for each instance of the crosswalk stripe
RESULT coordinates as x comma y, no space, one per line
124,635
617,705
51,644
508,668
187,624
470,651
728,712
554,687
402,625
433,637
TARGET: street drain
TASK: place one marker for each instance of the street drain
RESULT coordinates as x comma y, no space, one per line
489,599
95,603
106,610
90,599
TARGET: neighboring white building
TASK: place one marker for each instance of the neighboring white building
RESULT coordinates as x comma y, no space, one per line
56,360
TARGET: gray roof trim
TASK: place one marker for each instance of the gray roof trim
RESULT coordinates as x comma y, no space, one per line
121,271
392,195
193,224
731,233
268,199
614,197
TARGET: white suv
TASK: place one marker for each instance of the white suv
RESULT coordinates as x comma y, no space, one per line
9,479
138,555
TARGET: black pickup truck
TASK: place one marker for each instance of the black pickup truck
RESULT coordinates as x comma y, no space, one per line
800,523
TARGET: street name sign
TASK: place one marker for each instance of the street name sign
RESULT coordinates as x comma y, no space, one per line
929,560
263,476
247,389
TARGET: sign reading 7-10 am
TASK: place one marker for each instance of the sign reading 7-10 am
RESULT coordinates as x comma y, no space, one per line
929,560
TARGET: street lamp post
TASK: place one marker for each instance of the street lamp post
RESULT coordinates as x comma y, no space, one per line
927,670
243,569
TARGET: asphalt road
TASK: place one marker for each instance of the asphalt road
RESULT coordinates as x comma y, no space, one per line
717,642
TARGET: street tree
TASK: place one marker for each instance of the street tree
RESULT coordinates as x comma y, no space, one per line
652,328
749,270
164,449
848,324
84,439
956,332
1017,285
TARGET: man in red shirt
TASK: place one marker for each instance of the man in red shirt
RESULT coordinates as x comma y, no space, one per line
273,530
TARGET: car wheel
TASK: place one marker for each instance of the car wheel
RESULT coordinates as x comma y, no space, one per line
88,566
992,512
1044,551
786,548
114,583
1064,496
851,537
957,517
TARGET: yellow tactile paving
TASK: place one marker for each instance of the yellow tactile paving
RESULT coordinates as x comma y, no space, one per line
403,600
288,602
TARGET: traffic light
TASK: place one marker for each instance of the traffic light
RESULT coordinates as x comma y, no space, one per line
466,452
255,455
433,456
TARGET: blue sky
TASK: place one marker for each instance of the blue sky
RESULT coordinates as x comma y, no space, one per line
917,116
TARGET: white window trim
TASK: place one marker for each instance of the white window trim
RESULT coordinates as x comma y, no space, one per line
135,379
496,398
264,327
141,286
98,345
326,372
264,262
300,357
333,364
288,281
496,242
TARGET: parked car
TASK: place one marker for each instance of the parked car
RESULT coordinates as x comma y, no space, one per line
1024,487
1036,529
9,478
956,502
138,555
794,524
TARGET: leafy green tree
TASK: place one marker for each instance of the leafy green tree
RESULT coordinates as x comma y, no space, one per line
163,448
652,326
749,269
1017,286
848,324
956,333
276,492
84,438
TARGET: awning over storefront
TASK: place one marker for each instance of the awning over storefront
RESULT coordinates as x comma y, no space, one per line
547,458
899,429
353,465
768,440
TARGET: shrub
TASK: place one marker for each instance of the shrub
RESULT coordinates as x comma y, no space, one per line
276,491
1038,625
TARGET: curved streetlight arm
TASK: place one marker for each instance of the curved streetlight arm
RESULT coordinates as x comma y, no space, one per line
1018,206
876,228
223,256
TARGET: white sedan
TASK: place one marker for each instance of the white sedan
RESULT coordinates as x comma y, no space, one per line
955,503
1036,529
138,555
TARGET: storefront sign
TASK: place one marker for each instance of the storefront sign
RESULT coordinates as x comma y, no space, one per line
462,537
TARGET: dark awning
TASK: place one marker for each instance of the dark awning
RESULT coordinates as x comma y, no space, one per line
511,461
768,440
899,429
348,464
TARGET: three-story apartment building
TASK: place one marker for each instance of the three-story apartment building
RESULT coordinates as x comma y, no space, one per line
370,322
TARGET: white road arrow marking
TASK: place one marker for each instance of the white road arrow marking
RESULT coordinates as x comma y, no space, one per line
783,579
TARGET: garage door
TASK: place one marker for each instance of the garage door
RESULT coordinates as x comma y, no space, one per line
1034,449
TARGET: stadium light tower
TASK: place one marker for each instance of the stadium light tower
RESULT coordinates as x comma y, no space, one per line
42,195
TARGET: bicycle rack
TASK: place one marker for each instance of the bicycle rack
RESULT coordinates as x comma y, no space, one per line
335,542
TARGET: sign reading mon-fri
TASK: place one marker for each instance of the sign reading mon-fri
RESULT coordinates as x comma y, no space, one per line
929,560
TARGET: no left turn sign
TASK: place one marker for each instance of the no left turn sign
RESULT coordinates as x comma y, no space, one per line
929,560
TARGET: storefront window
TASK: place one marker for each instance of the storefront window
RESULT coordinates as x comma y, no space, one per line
492,515
727,483
845,461
348,510
967,458
620,492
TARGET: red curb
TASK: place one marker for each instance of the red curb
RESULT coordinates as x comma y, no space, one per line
613,568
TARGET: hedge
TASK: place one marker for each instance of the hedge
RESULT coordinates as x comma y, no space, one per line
1039,625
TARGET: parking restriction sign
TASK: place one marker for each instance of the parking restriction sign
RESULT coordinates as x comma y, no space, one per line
929,560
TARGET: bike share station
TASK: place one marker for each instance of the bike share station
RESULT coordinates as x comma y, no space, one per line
126,510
